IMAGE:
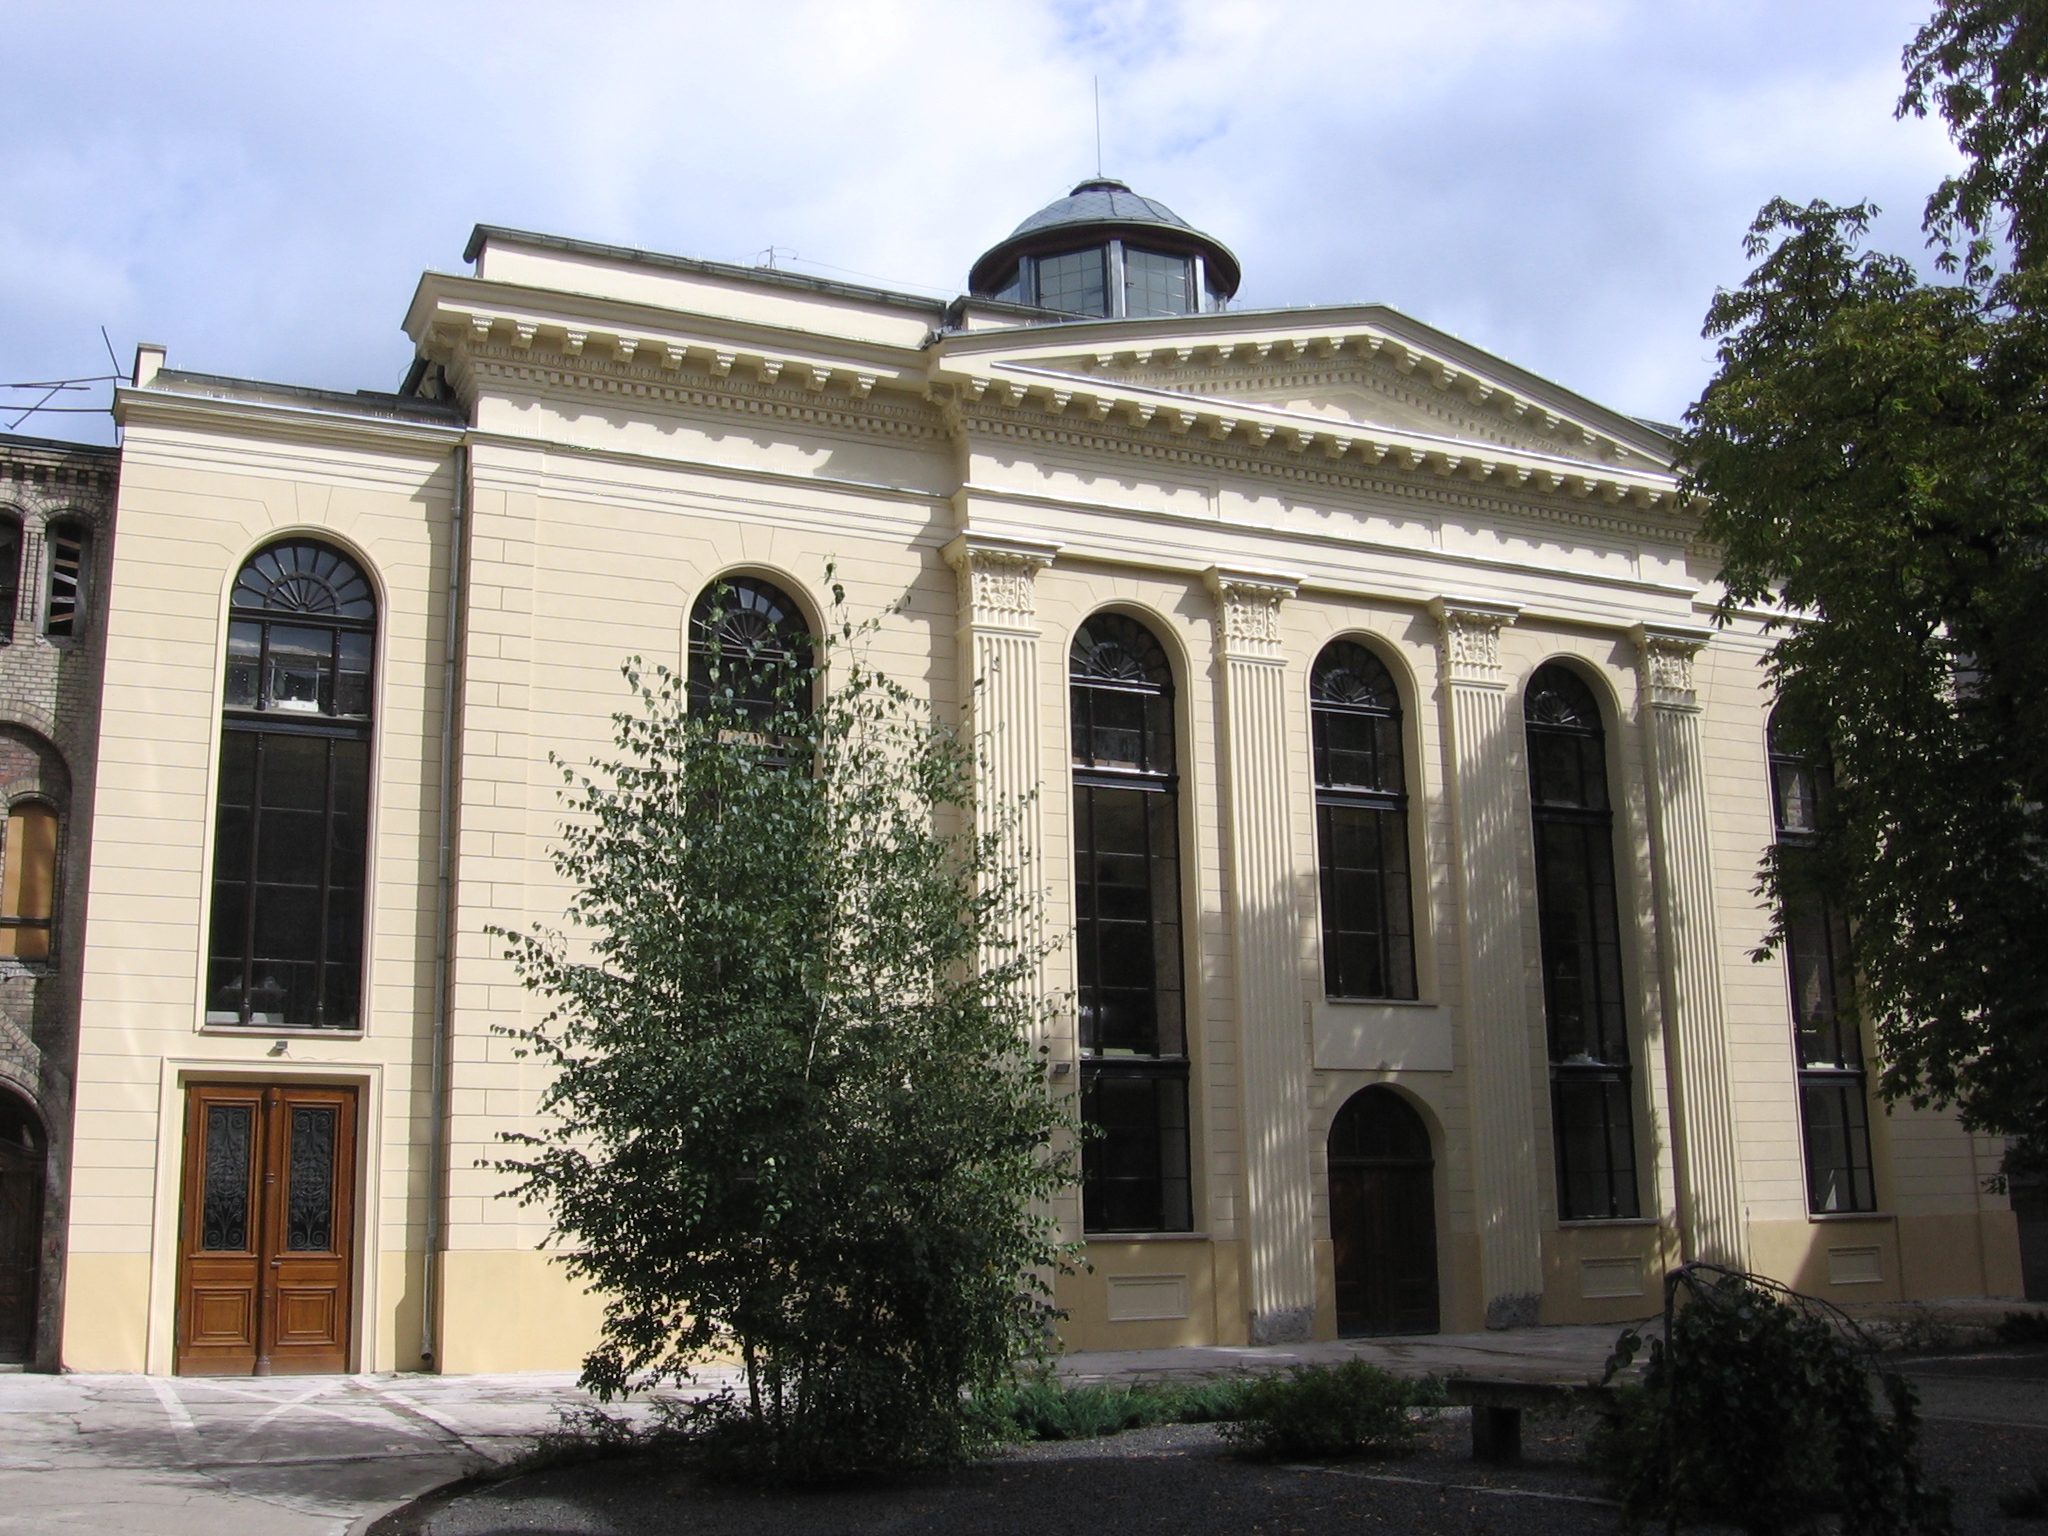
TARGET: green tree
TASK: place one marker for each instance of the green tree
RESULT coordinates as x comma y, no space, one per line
1872,462
794,1115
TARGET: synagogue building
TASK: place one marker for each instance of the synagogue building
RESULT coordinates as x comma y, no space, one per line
1396,800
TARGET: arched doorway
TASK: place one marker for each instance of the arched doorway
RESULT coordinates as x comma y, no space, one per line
1382,1216
22,1150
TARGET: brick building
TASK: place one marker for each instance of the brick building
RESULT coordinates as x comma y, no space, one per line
56,526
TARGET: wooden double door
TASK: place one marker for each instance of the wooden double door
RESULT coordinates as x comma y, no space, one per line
266,1237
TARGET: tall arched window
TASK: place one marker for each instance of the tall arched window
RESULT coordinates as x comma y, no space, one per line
749,646
1134,1058
288,854
1591,1088
1361,825
1833,1095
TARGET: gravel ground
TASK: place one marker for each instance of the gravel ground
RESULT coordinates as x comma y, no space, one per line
1179,1479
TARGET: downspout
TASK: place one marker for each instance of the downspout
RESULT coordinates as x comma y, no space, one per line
437,1089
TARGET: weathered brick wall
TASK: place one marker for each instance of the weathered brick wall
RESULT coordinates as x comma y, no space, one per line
49,721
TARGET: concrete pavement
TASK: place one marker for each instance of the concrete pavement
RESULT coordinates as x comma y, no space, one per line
326,1455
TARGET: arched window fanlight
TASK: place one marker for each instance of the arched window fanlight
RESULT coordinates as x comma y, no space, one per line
749,648
1361,826
301,576
1122,697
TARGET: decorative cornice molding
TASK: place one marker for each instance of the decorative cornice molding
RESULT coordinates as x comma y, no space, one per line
1248,611
998,578
1666,654
1470,636
765,395
1346,457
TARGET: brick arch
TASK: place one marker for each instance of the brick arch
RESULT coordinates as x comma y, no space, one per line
32,767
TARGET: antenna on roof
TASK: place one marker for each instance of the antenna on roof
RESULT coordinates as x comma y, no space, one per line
1098,127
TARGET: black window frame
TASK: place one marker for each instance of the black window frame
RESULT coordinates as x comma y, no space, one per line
1827,1044
749,648
309,587
1136,1172
1585,987
1139,267
1352,695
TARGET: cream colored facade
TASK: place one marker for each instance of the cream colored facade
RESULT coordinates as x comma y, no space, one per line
599,434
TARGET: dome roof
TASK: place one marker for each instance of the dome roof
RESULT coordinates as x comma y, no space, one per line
1102,209
1101,202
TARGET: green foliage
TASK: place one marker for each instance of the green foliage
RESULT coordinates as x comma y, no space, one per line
792,1114
1871,459
1329,1410
2023,1328
1044,1408
1758,1410
1980,63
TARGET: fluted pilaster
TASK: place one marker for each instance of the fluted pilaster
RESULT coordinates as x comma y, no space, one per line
1278,1157
999,658
1710,1177
1487,791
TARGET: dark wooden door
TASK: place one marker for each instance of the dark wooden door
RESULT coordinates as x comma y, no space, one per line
266,1243
21,1233
1383,1217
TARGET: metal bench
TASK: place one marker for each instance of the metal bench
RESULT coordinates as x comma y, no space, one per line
1497,1406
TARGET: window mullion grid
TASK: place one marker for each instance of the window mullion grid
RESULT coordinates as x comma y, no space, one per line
326,891
249,875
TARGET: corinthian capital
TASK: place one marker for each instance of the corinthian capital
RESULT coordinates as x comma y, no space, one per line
1470,635
997,577
1666,653
1248,610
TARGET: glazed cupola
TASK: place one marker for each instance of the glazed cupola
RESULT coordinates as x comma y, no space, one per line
1104,251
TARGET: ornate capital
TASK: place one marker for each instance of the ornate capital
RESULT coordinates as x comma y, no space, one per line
1248,610
1666,653
996,578
1470,635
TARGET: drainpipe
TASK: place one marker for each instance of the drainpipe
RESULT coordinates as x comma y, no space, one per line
437,1091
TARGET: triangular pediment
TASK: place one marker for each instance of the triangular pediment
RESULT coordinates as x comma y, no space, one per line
1365,369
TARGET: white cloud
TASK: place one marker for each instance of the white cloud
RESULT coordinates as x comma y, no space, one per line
1563,181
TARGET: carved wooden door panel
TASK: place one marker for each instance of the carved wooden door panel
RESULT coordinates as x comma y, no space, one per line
266,1243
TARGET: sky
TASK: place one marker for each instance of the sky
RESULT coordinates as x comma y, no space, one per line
1562,182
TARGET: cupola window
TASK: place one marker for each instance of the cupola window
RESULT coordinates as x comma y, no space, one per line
1156,284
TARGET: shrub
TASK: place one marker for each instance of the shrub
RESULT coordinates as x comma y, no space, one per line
791,1112
2023,1328
1328,1410
1757,1409
1045,1408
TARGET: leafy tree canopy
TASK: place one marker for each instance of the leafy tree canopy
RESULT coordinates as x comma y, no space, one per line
794,1115
1872,461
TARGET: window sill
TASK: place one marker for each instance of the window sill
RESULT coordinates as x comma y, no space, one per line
280,1032
1382,1002
33,969
1851,1216
1144,1237
1612,1221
